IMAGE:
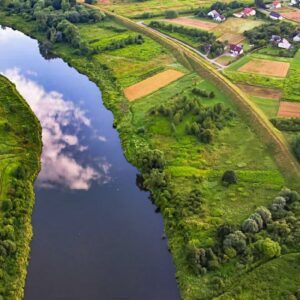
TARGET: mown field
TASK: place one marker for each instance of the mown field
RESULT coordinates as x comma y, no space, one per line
20,149
184,137
132,8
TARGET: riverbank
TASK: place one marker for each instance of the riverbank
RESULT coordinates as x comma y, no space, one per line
20,164
187,187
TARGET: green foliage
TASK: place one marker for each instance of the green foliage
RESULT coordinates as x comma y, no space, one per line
296,148
151,159
292,124
171,14
235,240
268,248
229,177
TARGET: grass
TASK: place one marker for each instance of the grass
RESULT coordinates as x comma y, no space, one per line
132,8
276,276
20,146
268,106
189,163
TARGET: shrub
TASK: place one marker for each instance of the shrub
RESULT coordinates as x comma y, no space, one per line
258,219
265,214
171,14
250,226
268,248
229,177
235,240
151,159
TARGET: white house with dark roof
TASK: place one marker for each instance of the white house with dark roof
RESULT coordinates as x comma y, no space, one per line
236,50
275,16
216,16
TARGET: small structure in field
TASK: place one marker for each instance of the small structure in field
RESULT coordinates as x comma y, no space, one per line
293,2
236,50
216,16
275,39
296,37
275,16
276,4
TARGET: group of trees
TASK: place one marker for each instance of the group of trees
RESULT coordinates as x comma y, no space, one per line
206,119
223,8
56,18
207,40
263,235
260,36
296,147
292,124
117,44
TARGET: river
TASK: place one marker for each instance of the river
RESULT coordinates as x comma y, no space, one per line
96,235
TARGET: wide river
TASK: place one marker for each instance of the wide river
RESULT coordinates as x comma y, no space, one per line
96,235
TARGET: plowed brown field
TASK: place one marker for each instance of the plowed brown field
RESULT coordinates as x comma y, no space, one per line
194,23
293,15
266,67
289,109
151,84
261,92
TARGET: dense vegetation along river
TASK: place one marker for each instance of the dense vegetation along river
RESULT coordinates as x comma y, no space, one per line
96,235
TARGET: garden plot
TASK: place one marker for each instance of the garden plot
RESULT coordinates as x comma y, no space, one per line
266,67
261,92
292,15
289,109
204,25
151,84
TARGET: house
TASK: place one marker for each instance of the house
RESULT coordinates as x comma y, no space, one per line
296,37
275,16
275,39
276,4
216,16
284,44
236,50
248,11
293,2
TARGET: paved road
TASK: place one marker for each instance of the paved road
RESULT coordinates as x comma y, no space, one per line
212,61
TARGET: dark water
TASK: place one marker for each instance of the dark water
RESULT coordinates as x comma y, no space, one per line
96,235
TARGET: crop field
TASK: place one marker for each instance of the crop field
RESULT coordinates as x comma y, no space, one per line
133,8
289,109
292,15
231,38
236,26
261,92
193,22
266,67
151,84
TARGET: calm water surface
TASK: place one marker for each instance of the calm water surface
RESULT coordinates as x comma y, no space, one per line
96,235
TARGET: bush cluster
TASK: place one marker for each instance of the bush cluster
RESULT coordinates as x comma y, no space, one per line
292,124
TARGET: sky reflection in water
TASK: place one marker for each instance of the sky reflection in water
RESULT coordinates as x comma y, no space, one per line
62,123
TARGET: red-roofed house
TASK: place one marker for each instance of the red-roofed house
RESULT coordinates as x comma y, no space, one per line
276,4
248,11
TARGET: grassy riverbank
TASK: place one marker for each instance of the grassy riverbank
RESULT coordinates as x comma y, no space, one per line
186,178
20,150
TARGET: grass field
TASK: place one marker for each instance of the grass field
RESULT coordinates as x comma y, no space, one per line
20,149
266,67
189,163
131,8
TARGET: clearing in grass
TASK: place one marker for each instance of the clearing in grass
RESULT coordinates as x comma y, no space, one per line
204,25
151,84
289,109
262,92
266,67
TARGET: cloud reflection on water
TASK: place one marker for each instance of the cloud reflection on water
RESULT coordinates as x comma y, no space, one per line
59,165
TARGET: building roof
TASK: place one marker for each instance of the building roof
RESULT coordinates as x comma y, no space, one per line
235,48
248,10
275,14
275,3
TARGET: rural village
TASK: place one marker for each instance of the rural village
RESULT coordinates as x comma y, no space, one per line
163,146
